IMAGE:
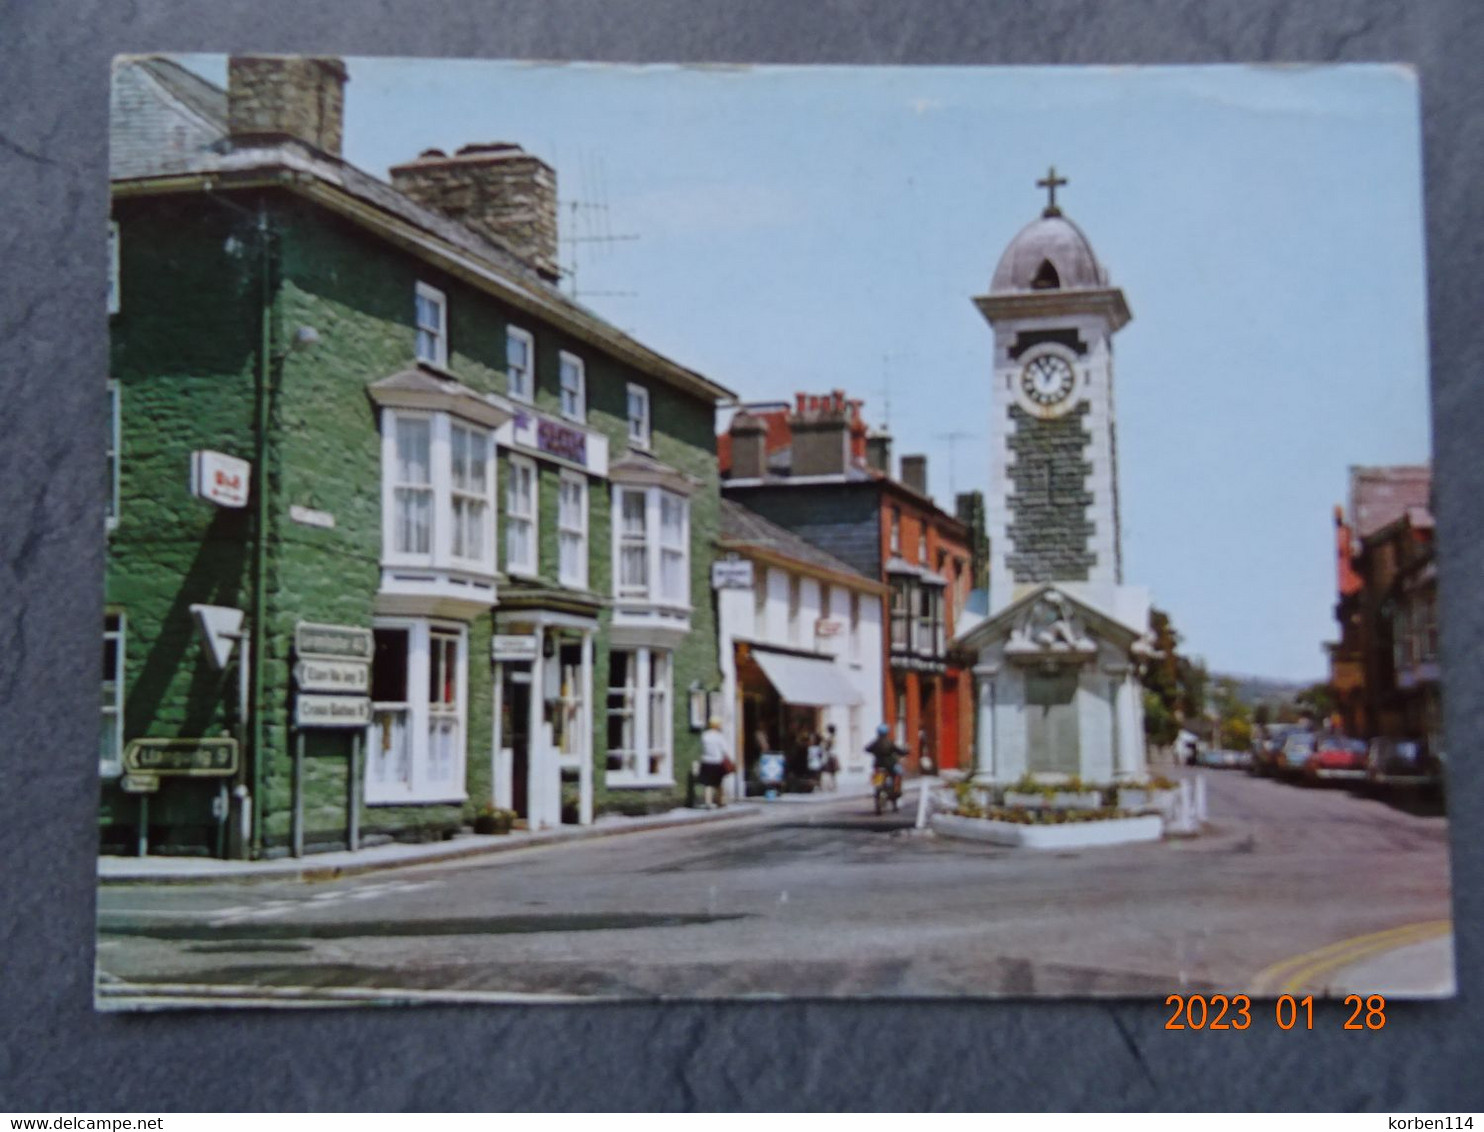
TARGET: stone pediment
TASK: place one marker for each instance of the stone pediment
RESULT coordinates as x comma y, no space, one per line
1049,624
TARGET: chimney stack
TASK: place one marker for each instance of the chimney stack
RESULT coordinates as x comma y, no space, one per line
498,190
878,452
749,447
270,97
914,473
820,428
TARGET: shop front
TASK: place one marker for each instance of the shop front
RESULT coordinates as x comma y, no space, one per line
784,699
543,719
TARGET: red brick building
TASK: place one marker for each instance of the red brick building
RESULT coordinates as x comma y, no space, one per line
816,469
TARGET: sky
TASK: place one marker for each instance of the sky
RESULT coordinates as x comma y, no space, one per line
788,229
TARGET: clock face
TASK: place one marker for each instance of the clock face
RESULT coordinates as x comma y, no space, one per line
1047,380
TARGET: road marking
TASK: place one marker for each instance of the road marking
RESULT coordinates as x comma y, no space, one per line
1299,971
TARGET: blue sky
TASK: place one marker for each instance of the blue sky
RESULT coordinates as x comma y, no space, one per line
813,228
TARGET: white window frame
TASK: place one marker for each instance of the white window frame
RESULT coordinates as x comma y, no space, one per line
421,788
476,495
641,693
522,466
439,554
437,333
640,431
111,515
571,364
572,528
522,387
113,712
114,295
656,549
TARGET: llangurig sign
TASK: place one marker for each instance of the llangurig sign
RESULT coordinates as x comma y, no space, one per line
195,758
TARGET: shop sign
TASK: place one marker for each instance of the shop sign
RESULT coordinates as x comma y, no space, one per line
140,783
202,758
315,675
309,517
220,478
332,641
513,646
562,441
332,711
731,574
829,627
770,768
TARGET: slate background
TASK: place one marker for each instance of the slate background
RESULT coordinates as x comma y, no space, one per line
56,1055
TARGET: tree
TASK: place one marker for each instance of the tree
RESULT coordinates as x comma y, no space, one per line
1174,685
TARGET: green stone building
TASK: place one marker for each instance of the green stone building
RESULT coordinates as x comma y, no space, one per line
357,421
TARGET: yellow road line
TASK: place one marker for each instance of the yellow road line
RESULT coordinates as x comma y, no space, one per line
1290,975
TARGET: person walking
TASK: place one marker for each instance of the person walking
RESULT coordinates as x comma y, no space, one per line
829,773
716,764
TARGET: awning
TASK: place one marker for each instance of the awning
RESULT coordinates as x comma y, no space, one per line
805,680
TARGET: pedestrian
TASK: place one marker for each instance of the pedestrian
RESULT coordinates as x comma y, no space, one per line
814,759
716,764
831,760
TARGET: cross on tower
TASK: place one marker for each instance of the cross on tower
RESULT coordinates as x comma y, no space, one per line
1050,183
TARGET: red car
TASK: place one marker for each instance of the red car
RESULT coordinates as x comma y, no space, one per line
1335,757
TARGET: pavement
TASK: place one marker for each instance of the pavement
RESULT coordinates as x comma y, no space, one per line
345,863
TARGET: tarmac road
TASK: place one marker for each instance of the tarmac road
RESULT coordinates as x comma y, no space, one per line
821,900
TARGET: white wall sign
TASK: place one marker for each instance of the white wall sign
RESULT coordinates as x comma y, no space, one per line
315,675
312,518
348,641
140,783
332,711
220,478
513,646
731,574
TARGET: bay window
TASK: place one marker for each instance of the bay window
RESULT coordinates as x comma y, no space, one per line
901,598
438,480
652,545
640,737
572,530
520,517
419,695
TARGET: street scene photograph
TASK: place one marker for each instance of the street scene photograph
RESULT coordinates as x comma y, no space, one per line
583,532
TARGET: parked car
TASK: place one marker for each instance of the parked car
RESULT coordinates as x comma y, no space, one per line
1266,749
1219,757
1401,763
1297,747
1335,758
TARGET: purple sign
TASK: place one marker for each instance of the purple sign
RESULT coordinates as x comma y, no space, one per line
558,440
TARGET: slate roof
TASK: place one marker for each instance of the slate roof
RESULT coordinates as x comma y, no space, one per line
1379,496
743,527
166,121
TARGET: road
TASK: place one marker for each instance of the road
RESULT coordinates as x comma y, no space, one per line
816,900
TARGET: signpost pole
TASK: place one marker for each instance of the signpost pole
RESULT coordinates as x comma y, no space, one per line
353,820
298,834
144,825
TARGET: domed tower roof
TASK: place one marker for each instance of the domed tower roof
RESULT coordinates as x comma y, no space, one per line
1049,253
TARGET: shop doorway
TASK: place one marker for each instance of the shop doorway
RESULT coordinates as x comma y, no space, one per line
515,733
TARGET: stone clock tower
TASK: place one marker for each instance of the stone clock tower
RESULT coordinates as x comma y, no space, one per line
1057,660
1053,498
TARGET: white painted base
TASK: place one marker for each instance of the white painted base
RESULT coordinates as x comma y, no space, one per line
1070,835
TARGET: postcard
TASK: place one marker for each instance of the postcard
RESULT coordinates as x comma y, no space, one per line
585,532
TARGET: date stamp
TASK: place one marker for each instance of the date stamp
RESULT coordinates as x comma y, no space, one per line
1236,1012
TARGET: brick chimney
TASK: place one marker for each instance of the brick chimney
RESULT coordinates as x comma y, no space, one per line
749,447
820,426
497,189
878,452
914,473
270,97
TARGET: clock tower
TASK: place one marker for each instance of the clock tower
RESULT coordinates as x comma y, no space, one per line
1052,508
